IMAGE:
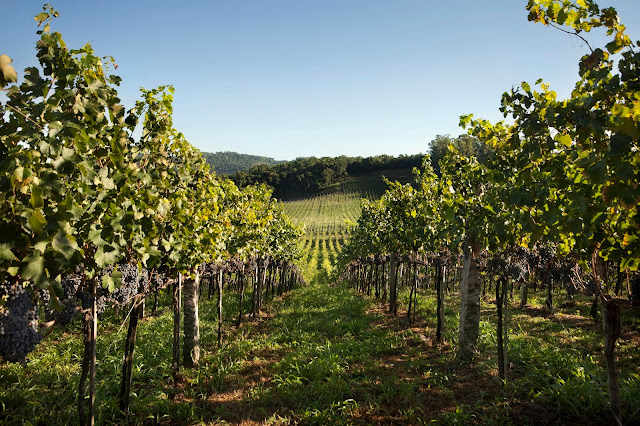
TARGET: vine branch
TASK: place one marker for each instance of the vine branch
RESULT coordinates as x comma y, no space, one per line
574,33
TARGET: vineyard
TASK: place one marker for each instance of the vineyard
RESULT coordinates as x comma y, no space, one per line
329,216
138,287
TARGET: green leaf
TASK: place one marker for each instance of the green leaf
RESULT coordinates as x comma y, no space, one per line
107,183
41,246
117,277
105,258
112,281
620,143
6,253
36,197
7,72
34,268
563,139
65,244
18,173
108,283
41,17
96,238
562,17
37,222
628,239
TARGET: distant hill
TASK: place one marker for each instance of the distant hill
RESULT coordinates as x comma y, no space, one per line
228,162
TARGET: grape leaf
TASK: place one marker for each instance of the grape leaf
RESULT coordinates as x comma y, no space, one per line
7,72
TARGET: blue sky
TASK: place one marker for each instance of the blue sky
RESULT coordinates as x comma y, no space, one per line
293,78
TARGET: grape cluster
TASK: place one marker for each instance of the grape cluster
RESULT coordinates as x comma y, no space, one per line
70,285
510,263
132,281
129,288
65,316
86,299
18,323
158,281
44,297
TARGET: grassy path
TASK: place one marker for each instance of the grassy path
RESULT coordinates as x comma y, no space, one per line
322,360
330,356
326,355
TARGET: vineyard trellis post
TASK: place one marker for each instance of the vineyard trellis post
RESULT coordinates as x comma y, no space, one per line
440,271
393,278
129,348
220,279
176,307
191,341
470,288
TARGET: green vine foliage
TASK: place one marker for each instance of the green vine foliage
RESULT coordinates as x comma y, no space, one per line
574,163
65,142
81,192
564,171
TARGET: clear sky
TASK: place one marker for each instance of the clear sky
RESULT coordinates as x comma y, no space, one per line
294,78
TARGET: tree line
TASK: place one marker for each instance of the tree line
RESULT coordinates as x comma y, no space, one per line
228,162
312,174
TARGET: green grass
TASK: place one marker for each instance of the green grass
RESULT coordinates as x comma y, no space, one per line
326,355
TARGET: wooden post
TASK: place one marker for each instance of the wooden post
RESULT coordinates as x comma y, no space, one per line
86,360
127,365
177,297
220,277
393,277
470,288
611,324
241,277
94,337
191,342
440,269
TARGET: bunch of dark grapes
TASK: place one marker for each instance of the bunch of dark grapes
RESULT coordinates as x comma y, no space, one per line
252,263
495,265
158,281
44,297
65,316
18,323
86,299
572,273
129,286
70,286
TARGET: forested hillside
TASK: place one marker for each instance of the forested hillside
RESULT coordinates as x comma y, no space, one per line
305,176
229,162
